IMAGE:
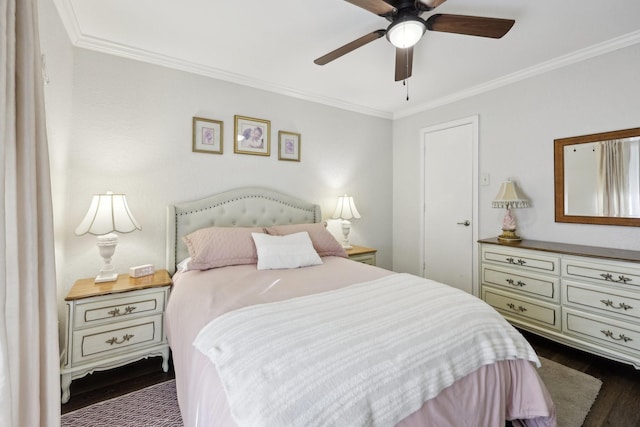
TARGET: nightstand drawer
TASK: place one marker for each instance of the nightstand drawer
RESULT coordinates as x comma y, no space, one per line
365,259
112,339
523,309
114,308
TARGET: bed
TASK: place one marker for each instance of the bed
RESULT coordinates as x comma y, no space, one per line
332,341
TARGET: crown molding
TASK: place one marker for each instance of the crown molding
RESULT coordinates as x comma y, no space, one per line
544,67
79,39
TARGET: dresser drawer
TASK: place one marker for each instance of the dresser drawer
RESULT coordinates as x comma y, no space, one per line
618,302
520,259
522,282
112,339
611,272
522,309
96,311
607,332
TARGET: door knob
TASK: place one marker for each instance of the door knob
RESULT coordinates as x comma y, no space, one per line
466,223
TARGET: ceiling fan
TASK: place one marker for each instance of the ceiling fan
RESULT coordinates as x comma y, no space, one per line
407,28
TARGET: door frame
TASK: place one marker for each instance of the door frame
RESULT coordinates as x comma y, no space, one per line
473,121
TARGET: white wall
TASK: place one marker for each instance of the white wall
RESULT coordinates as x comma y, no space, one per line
125,126
131,133
518,124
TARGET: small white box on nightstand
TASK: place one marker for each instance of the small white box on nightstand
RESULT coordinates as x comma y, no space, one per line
142,270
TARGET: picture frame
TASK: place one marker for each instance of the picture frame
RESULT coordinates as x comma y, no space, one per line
252,136
208,136
289,146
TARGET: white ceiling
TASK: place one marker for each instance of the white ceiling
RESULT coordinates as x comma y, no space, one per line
272,44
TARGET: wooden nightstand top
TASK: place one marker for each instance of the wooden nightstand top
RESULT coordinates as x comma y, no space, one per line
85,288
360,250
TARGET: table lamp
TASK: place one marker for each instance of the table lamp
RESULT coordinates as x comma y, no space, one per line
509,198
345,210
107,213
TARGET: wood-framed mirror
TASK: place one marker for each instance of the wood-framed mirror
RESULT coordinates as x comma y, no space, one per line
597,178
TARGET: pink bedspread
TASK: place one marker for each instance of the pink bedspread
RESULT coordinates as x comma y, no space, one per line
504,390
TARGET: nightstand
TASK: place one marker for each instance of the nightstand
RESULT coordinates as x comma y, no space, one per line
114,323
362,254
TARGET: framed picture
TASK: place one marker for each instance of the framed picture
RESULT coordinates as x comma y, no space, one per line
288,146
252,136
207,136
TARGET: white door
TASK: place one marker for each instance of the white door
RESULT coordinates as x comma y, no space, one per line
450,197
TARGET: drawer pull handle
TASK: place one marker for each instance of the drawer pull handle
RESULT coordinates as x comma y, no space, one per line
514,283
621,305
621,337
621,279
127,310
513,307
114,340
510,260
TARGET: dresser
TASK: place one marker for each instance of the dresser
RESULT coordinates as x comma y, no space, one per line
114,323
582,296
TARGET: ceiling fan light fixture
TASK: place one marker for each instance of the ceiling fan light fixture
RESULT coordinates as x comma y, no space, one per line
406,32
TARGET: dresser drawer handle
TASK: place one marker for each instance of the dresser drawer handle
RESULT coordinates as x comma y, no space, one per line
621,305
514,283
513,307
127,310
621,337
510,260
621,279
114,340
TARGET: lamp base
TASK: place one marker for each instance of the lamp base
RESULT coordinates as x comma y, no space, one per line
107,246
346,228
509,236
101,278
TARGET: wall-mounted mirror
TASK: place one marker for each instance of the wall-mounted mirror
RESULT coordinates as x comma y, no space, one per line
597,178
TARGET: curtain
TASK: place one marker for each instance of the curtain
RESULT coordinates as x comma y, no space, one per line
29,354
613,192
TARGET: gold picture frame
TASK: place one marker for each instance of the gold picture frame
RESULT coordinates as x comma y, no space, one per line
289,146
207,136
252,136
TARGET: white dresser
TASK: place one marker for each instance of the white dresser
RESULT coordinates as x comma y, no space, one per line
585,297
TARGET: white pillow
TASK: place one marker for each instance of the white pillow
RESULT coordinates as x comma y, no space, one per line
183,265
290,251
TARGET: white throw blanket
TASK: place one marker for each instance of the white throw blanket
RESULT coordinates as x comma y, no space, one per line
366,355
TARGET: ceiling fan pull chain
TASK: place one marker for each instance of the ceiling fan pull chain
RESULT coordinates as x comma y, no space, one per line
406,83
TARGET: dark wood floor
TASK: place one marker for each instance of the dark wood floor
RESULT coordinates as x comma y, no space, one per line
103,385
618,403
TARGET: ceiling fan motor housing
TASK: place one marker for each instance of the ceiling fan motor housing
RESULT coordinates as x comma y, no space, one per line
406,30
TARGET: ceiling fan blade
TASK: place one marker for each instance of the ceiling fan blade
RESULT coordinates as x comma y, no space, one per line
404,63
470,25
379,7
350,47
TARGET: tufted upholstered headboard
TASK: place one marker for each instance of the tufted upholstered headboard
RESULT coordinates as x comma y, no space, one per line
242,207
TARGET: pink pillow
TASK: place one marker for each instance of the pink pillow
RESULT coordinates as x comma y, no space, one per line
221,246
323,242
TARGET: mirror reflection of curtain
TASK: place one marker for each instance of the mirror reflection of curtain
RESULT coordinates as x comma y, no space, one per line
634,177
617,178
